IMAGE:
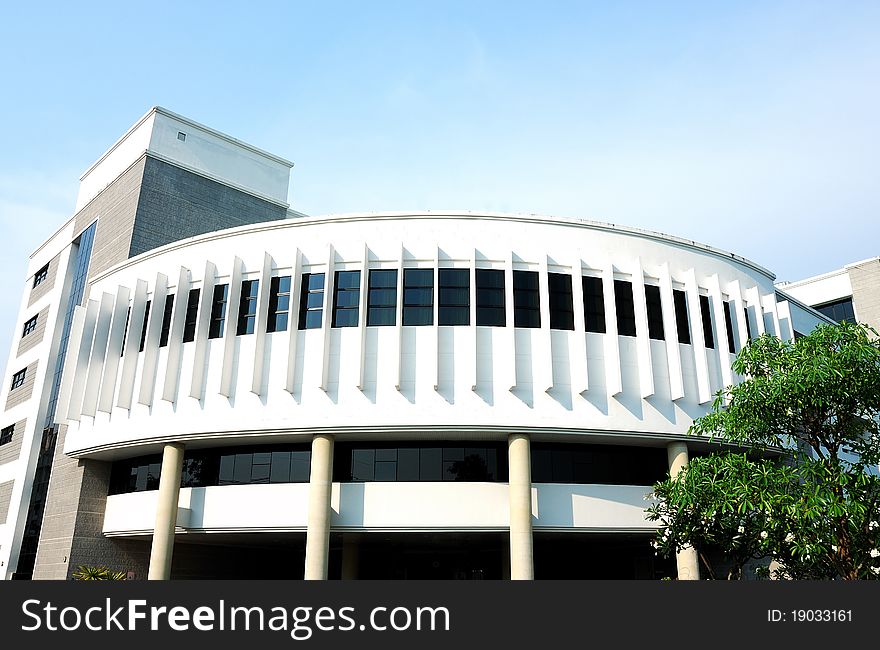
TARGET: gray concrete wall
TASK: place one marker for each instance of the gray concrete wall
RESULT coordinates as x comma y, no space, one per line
23,392
865,280
37,292
35,337
11,450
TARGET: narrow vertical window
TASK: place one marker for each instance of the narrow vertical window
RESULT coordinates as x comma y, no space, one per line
382,297
247,307
490,298
218,311
594,304
125,330
626,312
682,324
748,322
707,322
655,312
346,299
192,312
526,299
561,301
279,304
728,321
166,320
455,297
311,303
418,296
144,326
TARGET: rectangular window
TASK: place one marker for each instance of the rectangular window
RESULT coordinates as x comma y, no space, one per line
418,296
839,310
6,435
311,302
748,322
144,326
682,324
247,307
18,378
594,304
346,299
561,301
626,312
166,320
728,321
29,326
41,275
279,304
526,299
382,297
490,298
455,297
192,312
218,311
707,322
655,312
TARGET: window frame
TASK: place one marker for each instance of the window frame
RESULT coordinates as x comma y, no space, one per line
303,320
524,315
248,306
447,311
219,303
18,379
276,315
416,311
374,290
30,325
345,289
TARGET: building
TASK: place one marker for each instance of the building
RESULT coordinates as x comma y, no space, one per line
849,294
391,395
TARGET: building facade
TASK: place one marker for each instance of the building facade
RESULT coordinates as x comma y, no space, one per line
210,384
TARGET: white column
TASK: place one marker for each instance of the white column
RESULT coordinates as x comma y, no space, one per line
320,486
166,512
686,560
520,495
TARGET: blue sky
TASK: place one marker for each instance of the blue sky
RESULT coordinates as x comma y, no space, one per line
751,126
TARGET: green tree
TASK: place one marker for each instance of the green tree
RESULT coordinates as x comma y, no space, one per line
814,402
97,573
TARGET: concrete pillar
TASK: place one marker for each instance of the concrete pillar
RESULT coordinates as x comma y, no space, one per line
520,495
320,485
686,560
351,551
166,513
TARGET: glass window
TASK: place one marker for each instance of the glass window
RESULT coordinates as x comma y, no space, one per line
655,312
346,299
626,312
191,318
439,463
408,464
706,315
311,303
144,326
247,307
41,275
455,297
430,464
594,304
490,298
418,296
363,464
6,435
747,322
682,323
279,304
166,320
29,326
526,299
597,464
561,301
728,321
839,310
382,297
218,311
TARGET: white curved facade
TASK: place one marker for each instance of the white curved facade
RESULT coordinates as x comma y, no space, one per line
607,371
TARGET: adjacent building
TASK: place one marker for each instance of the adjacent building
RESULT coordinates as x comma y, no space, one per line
207,383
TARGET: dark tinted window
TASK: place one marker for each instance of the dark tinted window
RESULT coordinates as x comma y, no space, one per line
247,307
728,321
346,299
561,302
311,302
455,297
29,326
594,304
598,464
839,310
626,313
382,297
682,323
144,325
747,322
526,299
490,298
166,320
655,312
706,315
41,275
218,311
18,379
191,318
417,462
418,296
6,435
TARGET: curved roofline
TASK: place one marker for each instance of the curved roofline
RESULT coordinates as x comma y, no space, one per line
440,214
